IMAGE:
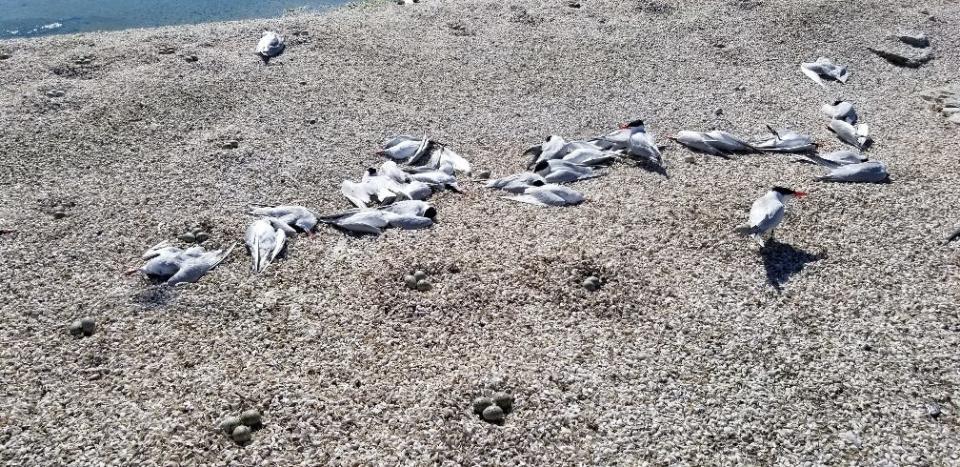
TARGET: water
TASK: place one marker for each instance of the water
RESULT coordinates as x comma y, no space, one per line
29,18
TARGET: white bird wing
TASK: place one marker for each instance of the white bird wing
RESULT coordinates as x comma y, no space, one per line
394,140
765,214
357,193
458,162
809,70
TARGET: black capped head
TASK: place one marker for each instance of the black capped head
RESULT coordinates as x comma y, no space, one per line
837,102
542,165
431,212
634,124
371,171
537,183
788,192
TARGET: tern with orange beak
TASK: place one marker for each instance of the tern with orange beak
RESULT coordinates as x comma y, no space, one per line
767,213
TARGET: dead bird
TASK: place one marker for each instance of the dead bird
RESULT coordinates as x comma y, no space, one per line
517,183
856,136
786,141
406,215
549,195
841,110
716,142
173,265
423,152
297,217
270,46
864,172
266,239
824,68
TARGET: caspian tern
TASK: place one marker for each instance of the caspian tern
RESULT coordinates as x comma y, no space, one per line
767,213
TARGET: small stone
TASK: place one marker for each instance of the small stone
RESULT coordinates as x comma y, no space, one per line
740,87
229,424
573,4
689,159
410,281
718,111
54,93
303,83
252,418
424,285
59,214
934,410
494,414
480,404
483,174
5,55
201,236
592,283
230,144
191,58
187,238
166,49
851,438
419,275
312,121
241,434
76,328
87,326
504,401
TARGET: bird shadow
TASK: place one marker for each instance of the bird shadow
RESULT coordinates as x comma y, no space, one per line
782,261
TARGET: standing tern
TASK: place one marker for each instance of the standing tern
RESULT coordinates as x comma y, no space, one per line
767,213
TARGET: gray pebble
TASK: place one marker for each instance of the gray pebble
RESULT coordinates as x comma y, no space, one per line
504,401
592,283
251,418
480,404
88,325
191,58
494,414
483,174
76,328
187,238
56,93
934,410
59,214
424,285
229,424
230,144
410,281
419,275
718,111
689,159
201,237
241,434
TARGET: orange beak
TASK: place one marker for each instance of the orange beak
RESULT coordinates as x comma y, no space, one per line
623,125
799,194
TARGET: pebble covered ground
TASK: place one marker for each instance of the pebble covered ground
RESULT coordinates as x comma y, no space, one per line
838,345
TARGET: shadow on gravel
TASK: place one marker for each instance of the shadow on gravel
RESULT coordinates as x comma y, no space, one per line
155,296
783,261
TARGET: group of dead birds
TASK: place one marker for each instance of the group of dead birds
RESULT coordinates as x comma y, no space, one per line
391,196
394,195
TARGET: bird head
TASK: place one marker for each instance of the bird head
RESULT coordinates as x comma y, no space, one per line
789,192
638,123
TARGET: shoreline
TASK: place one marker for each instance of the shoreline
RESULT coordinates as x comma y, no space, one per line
830,348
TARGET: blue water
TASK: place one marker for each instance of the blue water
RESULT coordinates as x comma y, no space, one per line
29,18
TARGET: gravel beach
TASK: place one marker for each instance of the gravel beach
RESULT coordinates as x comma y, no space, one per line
838,345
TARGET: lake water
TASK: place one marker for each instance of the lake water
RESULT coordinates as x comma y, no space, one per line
29,18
